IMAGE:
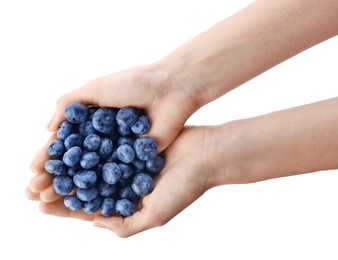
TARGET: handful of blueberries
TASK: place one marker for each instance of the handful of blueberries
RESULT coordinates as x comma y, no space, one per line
101,160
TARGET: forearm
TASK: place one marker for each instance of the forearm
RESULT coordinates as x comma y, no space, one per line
248,43
294,141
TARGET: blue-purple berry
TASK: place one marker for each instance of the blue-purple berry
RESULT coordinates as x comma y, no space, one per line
73,203
142,184
76,113
62,184
125,207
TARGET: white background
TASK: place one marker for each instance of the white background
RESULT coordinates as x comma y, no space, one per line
51,47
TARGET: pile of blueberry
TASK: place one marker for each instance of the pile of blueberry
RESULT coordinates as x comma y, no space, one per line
101,159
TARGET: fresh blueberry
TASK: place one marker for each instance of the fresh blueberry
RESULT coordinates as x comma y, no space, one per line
56,149
104,120
105,189
124,207
126,116
91,142
62,184
111,173
125,140
76,113
87,194
145,148
74,139
91,111
138,165
86,128
156,164
85,179
142,184
72,156
124,130
107,208
127,174
90,207
106,148
73,203
65,129
113,157
55,167
141,126
89,160
74,169
127,193
125,153
98,169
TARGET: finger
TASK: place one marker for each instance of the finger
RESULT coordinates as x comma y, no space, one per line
57,208
40,182
32,195
37,165
49,195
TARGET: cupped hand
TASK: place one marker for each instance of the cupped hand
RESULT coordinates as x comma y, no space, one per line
185,177
149,88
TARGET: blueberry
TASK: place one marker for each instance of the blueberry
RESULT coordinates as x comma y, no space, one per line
87,194
126,172
65,129
62,185
73,203
85,179
106,148
89,160
145,148
90,207
91,111
105,189
141,126
72,156
125,153
127,193
125,140
111,173
56,149
124,207
91,142
124,130
86,128
55,167
107,208
104,120
112,157
74,139
156,164
74,169
76,113
142,184
126,116
138,165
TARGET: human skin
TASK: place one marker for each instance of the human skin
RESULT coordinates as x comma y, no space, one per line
213,63
279,144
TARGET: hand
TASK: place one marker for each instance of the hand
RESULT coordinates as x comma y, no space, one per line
185,177
167,106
